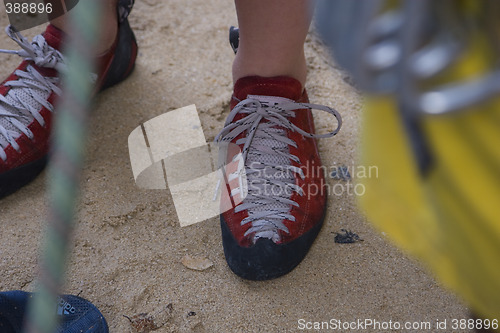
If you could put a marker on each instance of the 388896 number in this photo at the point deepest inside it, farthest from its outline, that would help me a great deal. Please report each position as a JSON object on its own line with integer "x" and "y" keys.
{"x": 28, "y": 8}
{"x": 472, "y": 324}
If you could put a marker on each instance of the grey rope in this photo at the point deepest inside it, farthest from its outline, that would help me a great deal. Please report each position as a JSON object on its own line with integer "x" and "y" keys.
{"x": 70, "y": 126}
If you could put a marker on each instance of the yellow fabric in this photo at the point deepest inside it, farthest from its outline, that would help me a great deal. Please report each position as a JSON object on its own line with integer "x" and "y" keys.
{"x": 451, "y": 217}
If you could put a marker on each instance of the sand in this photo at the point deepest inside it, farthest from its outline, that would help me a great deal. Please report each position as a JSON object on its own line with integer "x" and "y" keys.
{"x": 128, "y": 245}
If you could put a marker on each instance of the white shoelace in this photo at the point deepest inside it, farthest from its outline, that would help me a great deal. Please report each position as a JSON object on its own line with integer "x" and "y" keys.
{"x": 268, "y": 161}
{"x": 28, "y": 94}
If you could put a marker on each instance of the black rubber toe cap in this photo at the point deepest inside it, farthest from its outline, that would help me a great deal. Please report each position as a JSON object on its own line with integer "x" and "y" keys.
{"x": 14, "y": 179}
{"x": 265, "y": 260}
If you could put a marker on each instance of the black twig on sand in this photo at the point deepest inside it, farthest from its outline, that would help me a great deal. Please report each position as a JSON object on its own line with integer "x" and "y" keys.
{"x": 346, "y": 237}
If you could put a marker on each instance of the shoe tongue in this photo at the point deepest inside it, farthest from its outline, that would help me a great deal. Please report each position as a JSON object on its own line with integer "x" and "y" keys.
{"x": 54, "y": 36}
{"x": 269, "y": 90}
{"x": 281, "y": 86}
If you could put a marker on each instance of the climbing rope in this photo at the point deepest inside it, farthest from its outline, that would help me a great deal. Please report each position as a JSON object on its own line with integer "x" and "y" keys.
{"x": 69, "y": 133}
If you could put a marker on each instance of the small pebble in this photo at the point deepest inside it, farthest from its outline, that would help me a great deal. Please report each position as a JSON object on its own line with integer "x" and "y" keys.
{"x": 196, "y": 263}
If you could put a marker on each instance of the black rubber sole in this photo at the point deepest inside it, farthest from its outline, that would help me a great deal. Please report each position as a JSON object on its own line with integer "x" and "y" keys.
{"x": 75, "y": 314}
{"x": 14, "y": 179}
{"x": 266, "y": 260}
{"x": 120, "y": 68}
{"x": 122, "y": 65}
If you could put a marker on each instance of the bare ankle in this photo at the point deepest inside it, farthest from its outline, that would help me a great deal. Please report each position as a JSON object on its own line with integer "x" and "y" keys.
{"x": 269, "y": 67}
{"x": 109, "y": 28}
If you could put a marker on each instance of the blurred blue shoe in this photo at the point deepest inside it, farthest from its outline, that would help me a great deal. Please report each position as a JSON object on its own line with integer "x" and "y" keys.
{"x": 76, "y": 315}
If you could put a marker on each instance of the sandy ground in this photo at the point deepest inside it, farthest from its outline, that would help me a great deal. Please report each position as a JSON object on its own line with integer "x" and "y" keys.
{"x": 128, "y": 244}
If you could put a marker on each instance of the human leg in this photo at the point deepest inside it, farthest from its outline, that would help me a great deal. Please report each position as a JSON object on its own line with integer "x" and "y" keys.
{"x": 108, "y": 24}
{"x": 272, "y": 35}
